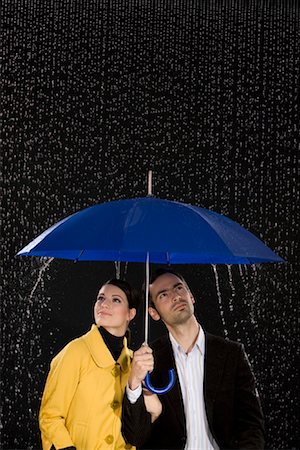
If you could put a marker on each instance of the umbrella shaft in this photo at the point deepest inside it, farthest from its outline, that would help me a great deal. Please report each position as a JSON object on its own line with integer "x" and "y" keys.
{"x": 147, "y": 301}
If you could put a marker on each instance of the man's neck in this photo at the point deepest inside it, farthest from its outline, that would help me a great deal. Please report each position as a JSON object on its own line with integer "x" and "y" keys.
{"x": 186, "y": 333}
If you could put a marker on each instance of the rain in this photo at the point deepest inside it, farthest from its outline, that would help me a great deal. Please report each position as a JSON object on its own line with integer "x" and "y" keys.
{"x": 95, "y": 94}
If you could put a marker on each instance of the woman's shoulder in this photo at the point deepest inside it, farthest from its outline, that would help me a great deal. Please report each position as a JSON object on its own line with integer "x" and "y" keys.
{"x": 74, "y": 348}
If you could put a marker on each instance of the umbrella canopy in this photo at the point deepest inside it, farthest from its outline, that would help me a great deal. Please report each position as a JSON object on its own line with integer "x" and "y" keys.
{"x": 150, "y": 230}
{"x": 169, "y": 232}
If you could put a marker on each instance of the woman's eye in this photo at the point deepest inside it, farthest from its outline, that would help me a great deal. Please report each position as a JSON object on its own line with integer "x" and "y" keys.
{"x": 117, "y": 300}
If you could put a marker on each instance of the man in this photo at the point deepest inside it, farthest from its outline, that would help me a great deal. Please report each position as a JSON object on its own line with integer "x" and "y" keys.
{"x": 214, "y": 403}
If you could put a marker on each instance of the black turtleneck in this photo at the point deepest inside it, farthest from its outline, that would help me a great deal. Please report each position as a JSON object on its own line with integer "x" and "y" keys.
{"x": 113, "y": 343}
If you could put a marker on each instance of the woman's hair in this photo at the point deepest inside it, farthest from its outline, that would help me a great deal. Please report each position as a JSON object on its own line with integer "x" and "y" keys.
{"x": 131, "y": 293}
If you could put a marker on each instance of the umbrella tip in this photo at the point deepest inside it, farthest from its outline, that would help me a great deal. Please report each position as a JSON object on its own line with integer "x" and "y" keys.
{"x": 150, "y": 194}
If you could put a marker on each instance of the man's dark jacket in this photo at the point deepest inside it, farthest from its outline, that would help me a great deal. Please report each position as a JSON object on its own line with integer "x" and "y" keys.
{"x": 232, "y": 405}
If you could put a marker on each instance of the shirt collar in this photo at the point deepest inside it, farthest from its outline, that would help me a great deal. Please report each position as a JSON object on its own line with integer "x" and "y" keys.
{"x": 199, "y": 344}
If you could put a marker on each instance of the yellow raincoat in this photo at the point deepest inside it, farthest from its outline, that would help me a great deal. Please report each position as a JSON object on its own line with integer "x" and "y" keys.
{"x": 82, "y": 400}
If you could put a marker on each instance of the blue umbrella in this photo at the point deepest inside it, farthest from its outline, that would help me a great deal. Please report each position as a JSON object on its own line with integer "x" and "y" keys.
{"x": 170, "y": 232}
{"x": 150, "y": 230}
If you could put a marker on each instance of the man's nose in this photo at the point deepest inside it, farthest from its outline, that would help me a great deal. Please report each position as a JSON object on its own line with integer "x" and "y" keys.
{"x": 175, "y": 295}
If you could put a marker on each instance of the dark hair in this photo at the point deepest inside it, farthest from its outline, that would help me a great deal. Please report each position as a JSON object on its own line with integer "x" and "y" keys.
{"x": 158, "y": 273}
{"x": 131, "y": 293}
{"x": 162, "y": 271}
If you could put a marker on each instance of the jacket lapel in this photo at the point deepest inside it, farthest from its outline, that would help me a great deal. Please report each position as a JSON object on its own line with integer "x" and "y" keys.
{"x": 164, "y": 362}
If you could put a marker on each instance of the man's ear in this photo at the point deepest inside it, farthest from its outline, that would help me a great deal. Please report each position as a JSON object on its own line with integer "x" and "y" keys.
{"x": 153, "y": 313}
{"x": 192, "y": 297}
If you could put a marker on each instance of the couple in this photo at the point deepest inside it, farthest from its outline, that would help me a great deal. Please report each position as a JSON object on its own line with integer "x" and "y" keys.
{"x": 213, "y": 405}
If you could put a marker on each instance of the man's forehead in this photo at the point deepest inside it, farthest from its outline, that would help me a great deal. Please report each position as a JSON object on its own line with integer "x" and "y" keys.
{"x": 166, "y": 281}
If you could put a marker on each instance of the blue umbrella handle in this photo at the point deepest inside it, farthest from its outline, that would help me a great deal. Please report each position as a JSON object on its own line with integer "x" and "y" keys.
{"x": 163, "y": 390}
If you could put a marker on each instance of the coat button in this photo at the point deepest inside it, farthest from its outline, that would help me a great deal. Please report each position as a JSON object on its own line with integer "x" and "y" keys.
{"x": 109, "y": 439}
{"x": 116, "y": 371}
{"x": 115, "y": 404}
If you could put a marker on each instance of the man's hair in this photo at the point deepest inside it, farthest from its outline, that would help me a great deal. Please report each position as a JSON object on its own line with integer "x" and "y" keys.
{"x": 159, "y": 272}
{"x": 133, "y": 296}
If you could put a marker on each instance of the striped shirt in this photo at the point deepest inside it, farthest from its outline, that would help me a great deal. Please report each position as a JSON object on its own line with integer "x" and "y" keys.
{"x": 190, "y": 368}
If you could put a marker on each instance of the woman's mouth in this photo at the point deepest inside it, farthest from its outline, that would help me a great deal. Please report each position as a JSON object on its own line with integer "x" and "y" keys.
{"x": 103, "y": 314}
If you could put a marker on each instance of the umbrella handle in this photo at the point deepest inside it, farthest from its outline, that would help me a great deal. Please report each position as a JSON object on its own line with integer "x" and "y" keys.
{"x": 163, "y": 390}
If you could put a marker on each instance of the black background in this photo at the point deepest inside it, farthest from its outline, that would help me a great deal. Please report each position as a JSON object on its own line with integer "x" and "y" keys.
{"x": 98, "y": 92}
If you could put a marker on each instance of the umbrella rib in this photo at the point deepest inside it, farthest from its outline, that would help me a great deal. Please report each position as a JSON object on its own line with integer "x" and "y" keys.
{"x": 213, "y": 229}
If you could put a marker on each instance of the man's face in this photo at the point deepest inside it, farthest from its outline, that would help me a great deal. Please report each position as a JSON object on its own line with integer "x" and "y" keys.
{"x": 172, "y": 298}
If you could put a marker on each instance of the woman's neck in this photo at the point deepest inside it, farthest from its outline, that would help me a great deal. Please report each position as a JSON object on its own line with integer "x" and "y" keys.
{"x": 112, "y": 342}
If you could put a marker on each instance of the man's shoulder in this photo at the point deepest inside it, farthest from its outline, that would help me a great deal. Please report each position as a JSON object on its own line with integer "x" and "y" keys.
{"x": 222, "y": 343}
{"x": 161, "y": 343}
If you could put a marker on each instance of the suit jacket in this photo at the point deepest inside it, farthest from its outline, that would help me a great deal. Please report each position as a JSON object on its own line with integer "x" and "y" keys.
{"x": 232, "y": 405}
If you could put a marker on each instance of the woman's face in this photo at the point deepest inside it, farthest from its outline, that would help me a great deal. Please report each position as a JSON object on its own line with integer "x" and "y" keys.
{"x": 111, "y": 310}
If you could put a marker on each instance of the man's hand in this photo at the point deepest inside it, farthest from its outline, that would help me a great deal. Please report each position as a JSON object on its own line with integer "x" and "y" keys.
{"x": 142, "y": 363}
{"x": 153, "y": 404}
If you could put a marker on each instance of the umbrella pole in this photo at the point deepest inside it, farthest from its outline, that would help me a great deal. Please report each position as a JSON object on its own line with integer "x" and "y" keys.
{"x": 147, "y": 381}
{"x": 147, "y": 301}
{"x": 172, "y": 377}
{"x": 147, "y": 273}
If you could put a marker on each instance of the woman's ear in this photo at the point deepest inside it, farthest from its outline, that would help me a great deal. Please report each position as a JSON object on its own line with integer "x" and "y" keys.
{"x": 153, "y": 313}
{"x": 132, "y": 313}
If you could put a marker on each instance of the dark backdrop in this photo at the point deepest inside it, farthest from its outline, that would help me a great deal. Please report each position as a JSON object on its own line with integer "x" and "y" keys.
{"x": 96, "y": 93}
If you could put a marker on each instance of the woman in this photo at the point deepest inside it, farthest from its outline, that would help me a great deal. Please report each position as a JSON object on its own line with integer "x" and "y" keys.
{"x": 81, "y": 405}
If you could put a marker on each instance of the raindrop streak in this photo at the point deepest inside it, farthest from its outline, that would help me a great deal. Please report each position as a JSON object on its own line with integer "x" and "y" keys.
{"x": 254, "y": 296}
{"x": 220, "y": 299}
{"x": 30, "y": 332}
{"x": 118, "y": 267}
{"x": 233, "y": 292}
{"x": 240, "y": 270}
{"x": 40, "y": 275}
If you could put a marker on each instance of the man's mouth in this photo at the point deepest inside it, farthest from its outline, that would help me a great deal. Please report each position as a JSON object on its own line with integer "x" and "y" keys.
{"x": 179, "y": 306}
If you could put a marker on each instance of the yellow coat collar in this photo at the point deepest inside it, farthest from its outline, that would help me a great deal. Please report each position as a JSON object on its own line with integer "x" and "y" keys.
{"x": 100, "y": 353}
